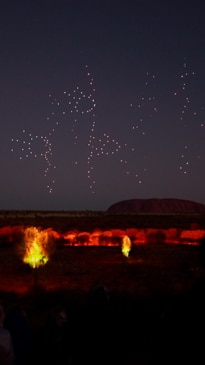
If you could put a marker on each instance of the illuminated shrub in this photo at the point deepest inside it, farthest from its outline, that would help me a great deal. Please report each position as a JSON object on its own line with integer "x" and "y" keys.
{"x": 155, "y": 237}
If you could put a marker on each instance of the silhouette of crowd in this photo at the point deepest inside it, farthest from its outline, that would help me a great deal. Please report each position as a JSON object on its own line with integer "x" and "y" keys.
{"x": 106, "y": 328}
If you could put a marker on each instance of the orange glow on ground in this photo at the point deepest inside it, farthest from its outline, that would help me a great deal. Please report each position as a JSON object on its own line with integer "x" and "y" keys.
{"x": 126, "y": 245}
{"x": 111, "y": 237}
{"x": 35, "y": 246}
{"x": 35, "y": 243}
{"x": 79, "y": 266}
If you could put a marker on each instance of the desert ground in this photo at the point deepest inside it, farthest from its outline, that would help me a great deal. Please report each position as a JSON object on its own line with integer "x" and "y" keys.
{"x": 155, "y": 295}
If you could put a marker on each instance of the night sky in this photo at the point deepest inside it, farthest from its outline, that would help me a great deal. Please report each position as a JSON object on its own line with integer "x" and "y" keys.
{"x": 101, "y": 101}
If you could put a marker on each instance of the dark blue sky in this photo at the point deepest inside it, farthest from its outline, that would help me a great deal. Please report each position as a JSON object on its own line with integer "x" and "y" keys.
{"x": 101, "y": 101}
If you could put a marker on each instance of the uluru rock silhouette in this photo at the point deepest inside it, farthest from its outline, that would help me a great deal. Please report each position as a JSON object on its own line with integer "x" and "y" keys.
{"x": 166, "y": 205}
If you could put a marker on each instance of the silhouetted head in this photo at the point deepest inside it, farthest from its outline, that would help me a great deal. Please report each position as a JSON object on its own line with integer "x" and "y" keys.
{"x": 98, "y": 295}
{"x": 59, "y": 315}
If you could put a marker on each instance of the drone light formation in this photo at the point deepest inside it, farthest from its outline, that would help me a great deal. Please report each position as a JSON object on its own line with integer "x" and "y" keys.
{"x": 75, "y": 111}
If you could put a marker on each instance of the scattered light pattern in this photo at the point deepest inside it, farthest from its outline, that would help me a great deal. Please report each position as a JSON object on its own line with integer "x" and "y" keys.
{"x": 190, "y": 117}
{"x": 74, "y": 109}
{"x": 75, "y": 113}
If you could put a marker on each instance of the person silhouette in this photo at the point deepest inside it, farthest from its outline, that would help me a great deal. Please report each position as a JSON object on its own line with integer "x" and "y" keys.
{"x": 6, "y": 344}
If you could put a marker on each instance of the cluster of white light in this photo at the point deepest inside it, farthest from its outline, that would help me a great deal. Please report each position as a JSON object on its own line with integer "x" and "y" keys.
{"x": 187, "y": 115}
{"x": 77, "y": 108}
{"x": 145, "y": 105}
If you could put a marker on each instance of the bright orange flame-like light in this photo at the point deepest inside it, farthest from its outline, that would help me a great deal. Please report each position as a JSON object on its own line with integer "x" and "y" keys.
{"x": 36, "y": 247}
{"x": 126, "y": 245}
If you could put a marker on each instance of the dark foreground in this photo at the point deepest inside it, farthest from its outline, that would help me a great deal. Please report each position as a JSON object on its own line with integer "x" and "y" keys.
{"x": 154, "y": 311}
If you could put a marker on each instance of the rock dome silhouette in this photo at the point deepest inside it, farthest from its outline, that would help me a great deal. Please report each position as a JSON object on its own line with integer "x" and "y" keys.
{"x": 166, "y": 205}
